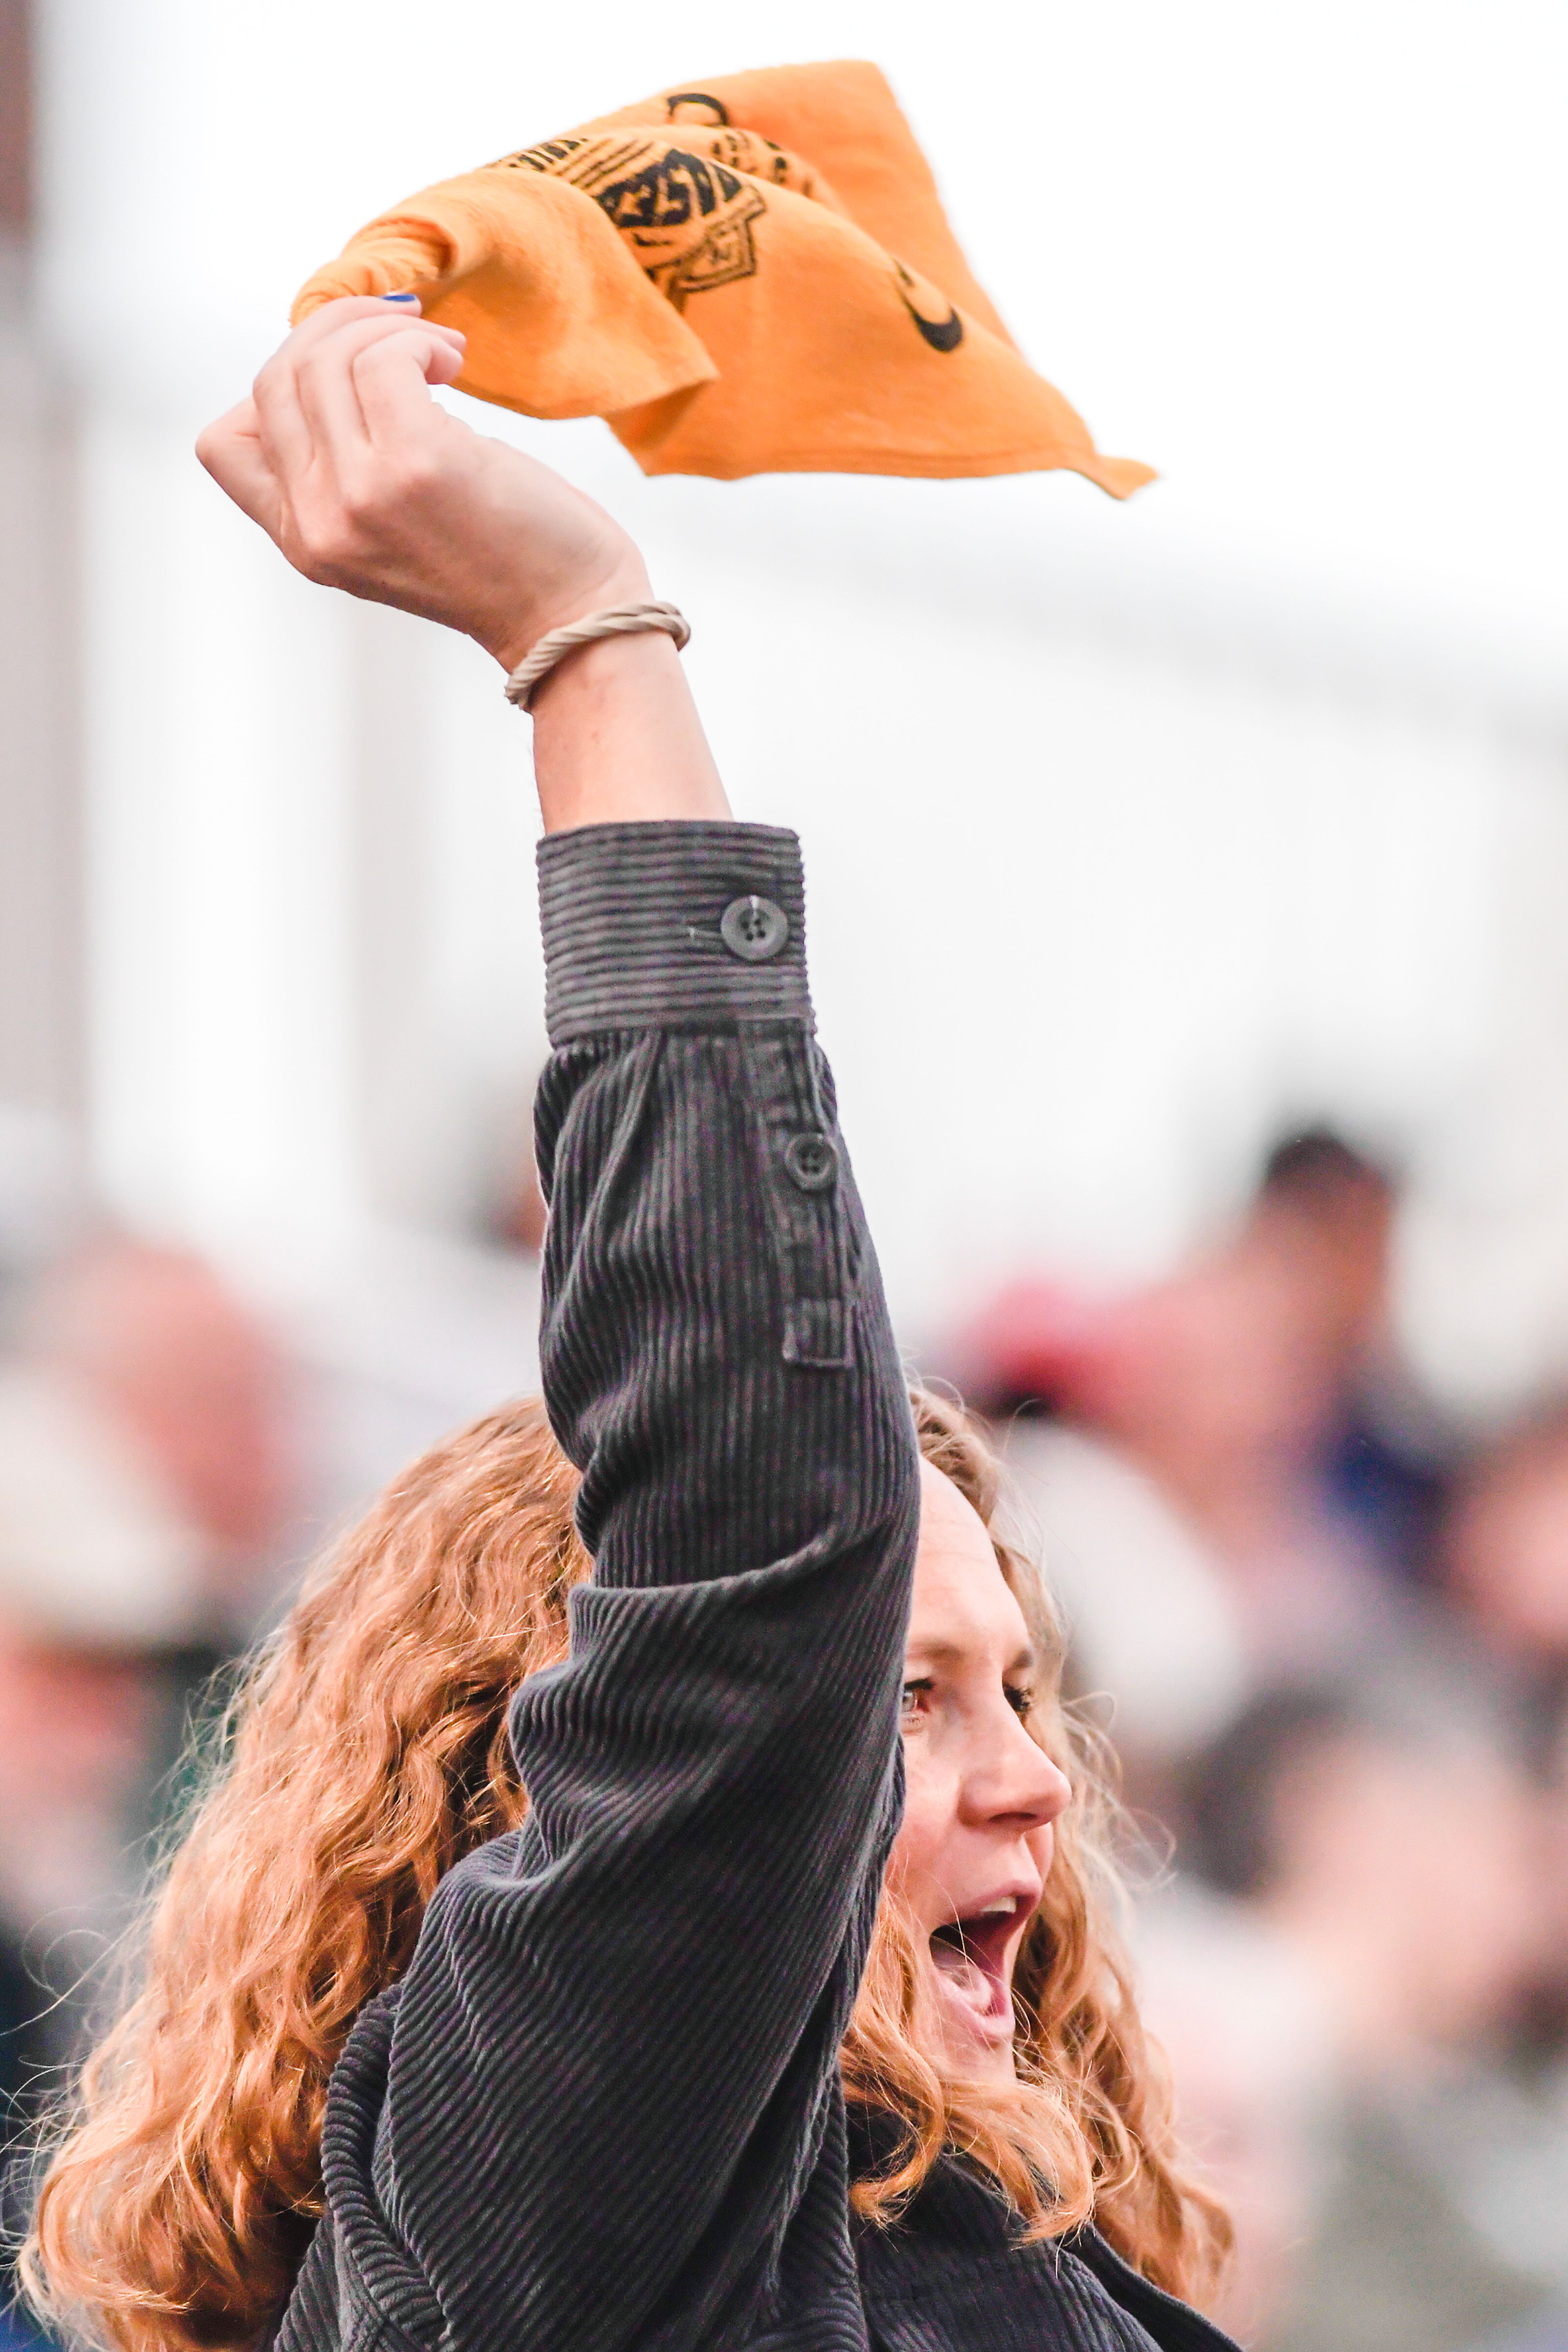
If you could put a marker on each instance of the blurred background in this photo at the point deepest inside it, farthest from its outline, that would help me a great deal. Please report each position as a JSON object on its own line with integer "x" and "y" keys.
{"x": 1206, "y": 1089}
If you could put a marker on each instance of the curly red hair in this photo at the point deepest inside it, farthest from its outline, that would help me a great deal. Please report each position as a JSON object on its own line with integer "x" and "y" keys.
{"x": 367, "y": 1751}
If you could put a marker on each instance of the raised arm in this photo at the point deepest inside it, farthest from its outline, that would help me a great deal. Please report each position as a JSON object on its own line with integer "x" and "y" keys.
{"x": 602, "y": 2110}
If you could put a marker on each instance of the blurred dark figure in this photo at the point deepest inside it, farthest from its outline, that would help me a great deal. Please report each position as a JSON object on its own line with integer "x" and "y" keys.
{"x": 1331, "y": 1209}
{"x": 1225, "y": 1461}
{"x": 1384, "y": 1837}
{"x": 1337, "y": 1205}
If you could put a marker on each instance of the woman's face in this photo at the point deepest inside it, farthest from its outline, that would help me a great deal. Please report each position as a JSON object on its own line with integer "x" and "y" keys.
{"x": 971, "y": 1856}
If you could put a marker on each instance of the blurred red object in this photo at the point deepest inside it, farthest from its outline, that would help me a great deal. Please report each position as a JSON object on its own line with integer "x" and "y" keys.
{"x": 1038, "y": 1341}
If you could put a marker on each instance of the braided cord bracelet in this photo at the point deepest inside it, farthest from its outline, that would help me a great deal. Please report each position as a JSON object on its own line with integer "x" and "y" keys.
{"x": 619, "y": 621}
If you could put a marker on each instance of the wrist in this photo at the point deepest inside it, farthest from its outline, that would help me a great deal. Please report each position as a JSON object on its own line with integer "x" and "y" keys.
{"x": 625, "y": 584}
{"x": 616, "y": 736}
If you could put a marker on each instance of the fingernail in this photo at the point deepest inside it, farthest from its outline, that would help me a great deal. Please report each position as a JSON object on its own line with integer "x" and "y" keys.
{"x": 400, "y": 298}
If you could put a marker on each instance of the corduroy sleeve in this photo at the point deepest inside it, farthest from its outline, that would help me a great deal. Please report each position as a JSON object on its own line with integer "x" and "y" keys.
{"x": 603, "y": 2109}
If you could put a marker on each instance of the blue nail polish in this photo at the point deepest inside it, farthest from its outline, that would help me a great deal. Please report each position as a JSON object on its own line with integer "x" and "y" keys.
{"x": 400, "y": 298}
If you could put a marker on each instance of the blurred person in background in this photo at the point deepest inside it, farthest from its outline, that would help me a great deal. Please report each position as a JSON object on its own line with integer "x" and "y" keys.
{"x": 154, "y": 1343}
{"x": 96, "y": 1585}
{"x": 1359, "y": 1971}
{"x": 1503, "y": 1549}
{"x": 144, "y": 1359}
{"x": 1230, "y": 1483}
{"x": 1329, "y": 1210}
{"x": 145, "y": 1479}
{"x": 1248, "y": 2036}
{"x": 1382, "y": 1837}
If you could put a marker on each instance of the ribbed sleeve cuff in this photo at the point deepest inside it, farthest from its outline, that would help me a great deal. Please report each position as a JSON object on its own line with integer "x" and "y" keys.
{"x": 671, "y": 924}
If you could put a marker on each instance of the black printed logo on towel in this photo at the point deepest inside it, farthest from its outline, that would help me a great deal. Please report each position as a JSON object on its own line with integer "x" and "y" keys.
{"x": 933, "y": 313}
{"x": 677, "y": 101}
{"x": 688, "y": 218}
{"x": 748, "y": 151}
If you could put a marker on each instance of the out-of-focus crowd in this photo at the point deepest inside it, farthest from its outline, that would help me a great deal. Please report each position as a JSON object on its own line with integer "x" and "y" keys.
{"x": 1331, "y": 1634}
{"x": 169, "y": 1457}
{"x": 1328, "y": 1633}
{"x": 145, "y": 1486}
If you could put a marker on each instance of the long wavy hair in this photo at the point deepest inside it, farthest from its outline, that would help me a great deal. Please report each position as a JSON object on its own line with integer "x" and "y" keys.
{"x": 364, "y": 1753}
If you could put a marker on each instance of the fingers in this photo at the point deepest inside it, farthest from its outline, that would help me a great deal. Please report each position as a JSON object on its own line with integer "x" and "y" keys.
{"x": 392, "y": 379}
{"x": 306, "y": 407}
{"x": 230, "y": 448}
{"x": 279, "y": 419}
{"x": 284, "y": 424}
{"x": 333, "y": 316}
{"x": 284, "y": 432}
{"x": 333, "y": 320}
{"x": 331, "y": 379}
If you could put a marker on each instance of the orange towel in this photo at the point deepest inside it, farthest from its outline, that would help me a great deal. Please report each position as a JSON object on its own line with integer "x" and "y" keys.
{"x": 754, "y": 277}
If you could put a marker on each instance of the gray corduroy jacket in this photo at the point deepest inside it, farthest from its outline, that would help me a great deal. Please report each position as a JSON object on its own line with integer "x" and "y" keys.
{"x": 601, "y": 2109}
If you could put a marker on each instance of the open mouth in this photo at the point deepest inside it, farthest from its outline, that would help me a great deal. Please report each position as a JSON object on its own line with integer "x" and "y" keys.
{"x": 970, "y": 1958}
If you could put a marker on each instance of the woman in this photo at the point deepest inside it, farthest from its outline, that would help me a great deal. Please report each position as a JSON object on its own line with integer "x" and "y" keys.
{"x": 779, "y": 2009}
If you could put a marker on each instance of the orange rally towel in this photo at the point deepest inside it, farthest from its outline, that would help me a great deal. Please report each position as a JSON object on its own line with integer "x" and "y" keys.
{"x": 754, "y": 277}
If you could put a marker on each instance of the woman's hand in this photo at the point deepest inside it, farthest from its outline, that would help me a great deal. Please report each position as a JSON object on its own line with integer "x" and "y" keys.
{"x": 366, "y": 483}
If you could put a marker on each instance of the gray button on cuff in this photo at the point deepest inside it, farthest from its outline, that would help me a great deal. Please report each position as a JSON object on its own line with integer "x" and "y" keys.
{"x": 753, "y": 928}
{"x": 812, "y": 1161}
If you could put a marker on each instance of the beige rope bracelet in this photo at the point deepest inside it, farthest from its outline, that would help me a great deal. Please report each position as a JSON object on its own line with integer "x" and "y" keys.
{"x": 619, "y": 621}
